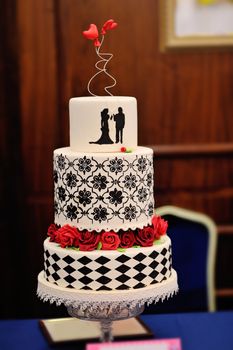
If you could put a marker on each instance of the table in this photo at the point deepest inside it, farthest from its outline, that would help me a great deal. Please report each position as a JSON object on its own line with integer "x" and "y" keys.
{"x": 198, "y": 331}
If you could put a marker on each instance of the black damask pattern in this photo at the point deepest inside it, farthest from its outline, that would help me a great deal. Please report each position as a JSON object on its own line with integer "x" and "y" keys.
{"x": 99, "y": 182}
{"x": 71, "y": 211}
{"x": 115, "y": 197}
{"x": 149, "y": 179}
{"x": 142, "y": 194}
{"x": 100, "y": 214}
{"x": 84, "y": 197}
{"x": 61, "y": 162}
{"x": 130, "y": 181}
{"x": 55, "y": 176}
{"x": 71, "y": 179}
{"x": 111, "y": 189}
{"x": 116, "y": 165}
{"x": 130, "y": 212}
{"x": 150, "y": 209}
{"x": 141, "y": 164}
{"x": 61, "y": 194}
{"x": 84, "y": 164}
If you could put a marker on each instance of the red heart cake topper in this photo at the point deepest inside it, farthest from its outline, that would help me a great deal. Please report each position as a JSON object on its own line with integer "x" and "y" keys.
{"x": 108, "y": 25}
{"x": 92, "y": 33}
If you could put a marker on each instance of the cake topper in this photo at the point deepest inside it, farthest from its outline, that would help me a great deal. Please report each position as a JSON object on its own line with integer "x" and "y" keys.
{"x": 93, "y": 34}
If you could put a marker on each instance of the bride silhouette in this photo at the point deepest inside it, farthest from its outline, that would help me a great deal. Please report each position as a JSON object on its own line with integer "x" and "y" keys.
{"x": 104, "y": 138}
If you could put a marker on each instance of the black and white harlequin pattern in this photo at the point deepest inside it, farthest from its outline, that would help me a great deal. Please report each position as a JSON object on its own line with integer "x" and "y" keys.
{"x": 109, "y": 191}
{"x": 105, "y": 273}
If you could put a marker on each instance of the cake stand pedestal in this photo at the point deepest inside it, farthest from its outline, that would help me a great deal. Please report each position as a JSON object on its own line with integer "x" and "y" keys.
{"x": 106, "y": 306}
{"x": 106, "y": 315}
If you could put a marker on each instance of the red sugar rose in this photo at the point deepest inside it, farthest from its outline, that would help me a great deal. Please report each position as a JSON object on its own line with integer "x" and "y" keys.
{"x": 145, "y": 237}
{"x": 67, "y": 236}
{"x": 88, "y": 240}
{"x": 110, "y": 240}
{"x": 127, "y": 239}
{"x": 52, "y": 232}
{"x": 160, "y": 226}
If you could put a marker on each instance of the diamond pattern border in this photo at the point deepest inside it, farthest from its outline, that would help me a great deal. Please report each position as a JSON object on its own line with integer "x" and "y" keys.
{"x": 108, "y": 272}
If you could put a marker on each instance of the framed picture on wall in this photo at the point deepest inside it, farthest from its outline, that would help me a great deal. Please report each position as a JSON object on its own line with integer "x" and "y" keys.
{"x": 196, "y": 23}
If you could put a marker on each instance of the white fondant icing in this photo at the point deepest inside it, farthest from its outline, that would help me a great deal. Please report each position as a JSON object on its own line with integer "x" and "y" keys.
{"x": 88, "y": 125}
{"x": 103, "y": 191}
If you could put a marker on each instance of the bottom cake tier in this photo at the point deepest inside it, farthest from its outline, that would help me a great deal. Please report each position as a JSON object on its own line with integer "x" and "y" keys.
{"x": 94, "y": 301}
{"x": 111, "y": 270}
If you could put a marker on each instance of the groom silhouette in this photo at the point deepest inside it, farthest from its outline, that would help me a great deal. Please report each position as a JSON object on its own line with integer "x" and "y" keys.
{"x": 119, "y": 119}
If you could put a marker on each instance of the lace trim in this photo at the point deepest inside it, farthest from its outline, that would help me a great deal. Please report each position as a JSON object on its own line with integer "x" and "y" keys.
{"x": 101, "y": 300}
{"x": 116, "y": 228}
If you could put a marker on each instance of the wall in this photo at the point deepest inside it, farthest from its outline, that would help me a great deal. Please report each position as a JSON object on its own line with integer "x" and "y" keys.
{"x": 185, "y": 112}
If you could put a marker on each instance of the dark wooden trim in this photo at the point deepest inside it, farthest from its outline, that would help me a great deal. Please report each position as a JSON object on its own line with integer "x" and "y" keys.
{"x": 193, "y": 150}
{"x": 224, "y": 292}
{"x": 225, "y": 229}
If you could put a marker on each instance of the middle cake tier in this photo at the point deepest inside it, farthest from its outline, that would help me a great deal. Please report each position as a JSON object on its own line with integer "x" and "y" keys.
{"x": 103, "y": 191}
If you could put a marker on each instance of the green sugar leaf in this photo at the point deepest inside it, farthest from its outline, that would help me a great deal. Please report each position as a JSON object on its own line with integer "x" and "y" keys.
{"x": 136, "y": 246}
{"x": 99, "y": 246}
{"x": 158, "y": 241}
{"x": 121, "y": 250}
{"x": 75, "y": 248}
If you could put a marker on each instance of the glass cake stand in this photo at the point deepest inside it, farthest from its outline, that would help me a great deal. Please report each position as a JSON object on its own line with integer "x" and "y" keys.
{"x": 106, "y": 307}
{"x": 106, "y": 316}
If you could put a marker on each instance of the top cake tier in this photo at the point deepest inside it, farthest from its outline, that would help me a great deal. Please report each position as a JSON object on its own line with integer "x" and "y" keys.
{"x": 103, "y": 123}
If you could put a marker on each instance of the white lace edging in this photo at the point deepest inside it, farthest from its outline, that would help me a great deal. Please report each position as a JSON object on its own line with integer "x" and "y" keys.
{"x": 113, "y": 227}
{"x": 92, "y": 299}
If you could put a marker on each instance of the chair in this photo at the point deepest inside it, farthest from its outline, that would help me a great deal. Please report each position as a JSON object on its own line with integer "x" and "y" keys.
{"x": 194, "y": 237}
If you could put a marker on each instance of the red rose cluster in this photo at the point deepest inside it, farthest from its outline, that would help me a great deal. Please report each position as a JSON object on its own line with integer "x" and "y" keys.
{"x": 68, "y": 236}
